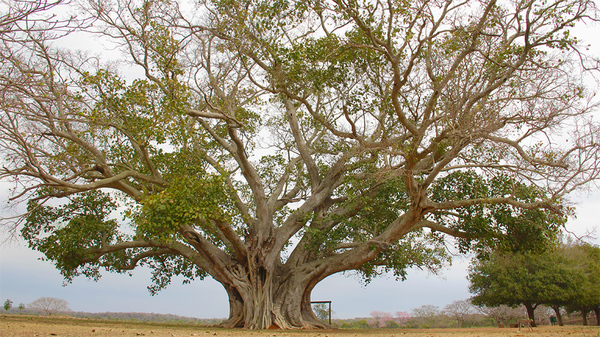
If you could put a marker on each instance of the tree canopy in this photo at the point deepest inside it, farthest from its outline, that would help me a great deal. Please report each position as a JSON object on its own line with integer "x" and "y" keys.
{"x": 271, "y": 144}
{"x": 586, "y": 257}
{"x": 559, "y": 277}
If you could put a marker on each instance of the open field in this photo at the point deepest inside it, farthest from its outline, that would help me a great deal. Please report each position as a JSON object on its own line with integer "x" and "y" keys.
{"x": 32, "y": 326}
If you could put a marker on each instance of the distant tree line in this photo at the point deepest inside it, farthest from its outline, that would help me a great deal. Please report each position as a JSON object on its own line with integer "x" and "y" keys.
{"x": 52, "y": 305}
{"x": 458, "y": 314}
{"x": 46, "y": 305}
{"x": 145, "y": 317}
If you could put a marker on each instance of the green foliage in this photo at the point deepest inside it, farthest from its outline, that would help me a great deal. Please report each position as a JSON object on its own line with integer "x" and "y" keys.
{"x": 73, "y": 234}
{"x": 518, "y": 278}
{"x": 416, "y": 250}
{"x": 375, "y": 209}
{"x": 188, "y": 200}
{"x": 140, "y": 111}
{"x": 66, "y": 233}
{"x": 496, "y": 225}
{"x": 360, "y": 324}
{"x": 165, "y": 267}
{"x": 486, "y": 225}
{"x": 7, "y": 305}
{"x": 585, "y": 257}
{"x": 321, "y": 310}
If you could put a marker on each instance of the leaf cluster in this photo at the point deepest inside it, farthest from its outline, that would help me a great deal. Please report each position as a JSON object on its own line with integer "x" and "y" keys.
{"x": 561, "y": 276}
{"x": 68, "y": 234}
{"x": 496, "y": 225}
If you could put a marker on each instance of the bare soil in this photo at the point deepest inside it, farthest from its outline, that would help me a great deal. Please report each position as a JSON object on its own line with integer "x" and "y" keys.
{"x": 34, "y": 326}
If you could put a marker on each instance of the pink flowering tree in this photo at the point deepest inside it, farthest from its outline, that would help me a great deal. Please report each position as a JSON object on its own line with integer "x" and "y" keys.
{"x": 380, "y": 319}
{"x": 402, "y": 317}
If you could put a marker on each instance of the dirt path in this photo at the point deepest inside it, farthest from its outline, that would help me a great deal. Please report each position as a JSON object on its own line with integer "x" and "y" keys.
{"x": 37, "y": 326}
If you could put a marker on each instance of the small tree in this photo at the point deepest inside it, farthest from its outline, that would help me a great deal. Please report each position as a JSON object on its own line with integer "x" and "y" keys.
{"x": 21, "y": 306}
{"x": 50, "y": 305}
{"x": 7, "y": 305}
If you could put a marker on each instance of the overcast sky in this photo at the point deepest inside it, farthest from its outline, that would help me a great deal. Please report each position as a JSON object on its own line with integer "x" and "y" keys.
{"x": 24, "y": 278}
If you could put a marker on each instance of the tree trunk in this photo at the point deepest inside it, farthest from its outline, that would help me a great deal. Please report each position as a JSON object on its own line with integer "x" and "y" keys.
{"x": 558, "y": 314}
{"x": 584, "y": 315}
{"x": 265, "y": 299}
{"x": 531, "y": 313}
{"x": 597, "y": 311}
{"x": 236, "y": 309}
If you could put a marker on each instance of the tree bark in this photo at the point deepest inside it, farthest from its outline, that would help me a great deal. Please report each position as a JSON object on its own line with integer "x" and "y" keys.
{"x": 584, "y": 311}
{"x": 236, "y": 309}
{"x": 597, "y": 311}
{"x": 265, "y": 298}
{"x": 531, "y": 313}
{"x": 558, "y": 315}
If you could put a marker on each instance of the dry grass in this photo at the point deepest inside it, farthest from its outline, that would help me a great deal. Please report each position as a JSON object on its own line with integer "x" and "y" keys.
{"x": 33, "y": 326}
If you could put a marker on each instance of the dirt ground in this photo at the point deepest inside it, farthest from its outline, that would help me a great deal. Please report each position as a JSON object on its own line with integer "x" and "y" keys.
{"x": 34, "y": 326}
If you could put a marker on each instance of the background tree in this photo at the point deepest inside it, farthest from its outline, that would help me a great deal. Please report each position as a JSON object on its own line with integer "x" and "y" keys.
{"x": 592, "y": 271}
{"x": 21, "y": 306}
{"x": 7, "y": 305}
{"x": 24, "y": 19}
{"x": 322, "y": 311}
{"x": 425, "y": 315}
{"x": 503, "y": 314}
{"x": 381, "y": 319}
{"x": 585, "y": 256}
{"x": 459, "y": 310}
{"x": 271, "y": 144}
{"x": 401, "y": 317}
{"x": 50, "y": 305}
{"x": 17, "y": 12}
{"x": 526, "y": 278}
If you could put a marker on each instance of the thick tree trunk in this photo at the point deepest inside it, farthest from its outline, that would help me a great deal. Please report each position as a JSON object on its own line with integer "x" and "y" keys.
{"x": 558, "y": 315}
{"x": 264, "y": 299}
{"x": 531, "y": 313}
{"x": 236, "y": 309}
{"x": 280, "y": 311}
{"x": 597, "y": 311}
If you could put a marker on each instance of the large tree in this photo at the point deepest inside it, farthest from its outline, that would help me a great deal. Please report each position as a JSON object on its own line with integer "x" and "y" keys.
{"x": 271, "y": 144}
